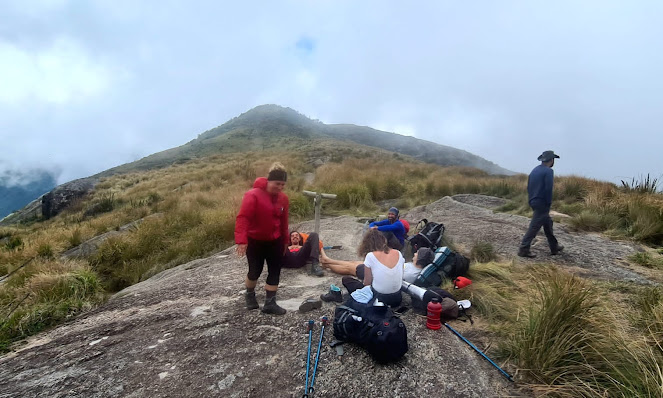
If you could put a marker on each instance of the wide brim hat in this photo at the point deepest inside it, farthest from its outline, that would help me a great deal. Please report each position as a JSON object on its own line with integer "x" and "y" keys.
{"x": 547, "y": 156}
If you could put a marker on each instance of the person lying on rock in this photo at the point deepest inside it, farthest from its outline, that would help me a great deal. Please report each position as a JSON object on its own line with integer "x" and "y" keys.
{"x": 382, "y": 269}
{"x": 411, "y": 271}
{"x": 302, "y": 249}
{"x": 392, "y": 228}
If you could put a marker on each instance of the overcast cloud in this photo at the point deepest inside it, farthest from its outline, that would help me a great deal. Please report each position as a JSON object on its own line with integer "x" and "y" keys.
{"x": 88, "y": 85}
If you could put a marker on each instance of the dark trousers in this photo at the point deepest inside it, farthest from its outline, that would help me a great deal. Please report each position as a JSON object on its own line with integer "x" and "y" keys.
{"x": 258, "y": 252}
{"x": 352, "y": 284}
{"x": 540, "y": 218}
{"x": 392, "y": 240}
{"x": 310, "y": 251}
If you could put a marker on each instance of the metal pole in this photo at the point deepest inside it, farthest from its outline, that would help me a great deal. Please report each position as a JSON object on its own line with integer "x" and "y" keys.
{"x": 317, "y": 203}
{"x": 508, "y": 376}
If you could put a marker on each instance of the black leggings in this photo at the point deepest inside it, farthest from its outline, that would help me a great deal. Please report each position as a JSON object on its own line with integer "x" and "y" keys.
{"x": 259, "y": 251}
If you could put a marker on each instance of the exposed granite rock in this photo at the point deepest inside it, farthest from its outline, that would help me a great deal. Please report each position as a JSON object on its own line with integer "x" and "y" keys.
{"x": 63, "y": 195}
{"x": 90, "y": 246}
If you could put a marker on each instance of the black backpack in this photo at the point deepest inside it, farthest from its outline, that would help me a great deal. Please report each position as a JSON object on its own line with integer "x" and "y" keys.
{"x": 455, "y": 265}
{"x": 376, "y": 329}
{"x": 430, "y": 236}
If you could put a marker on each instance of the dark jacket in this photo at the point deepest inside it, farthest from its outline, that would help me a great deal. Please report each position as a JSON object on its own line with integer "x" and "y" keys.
{"x": 262, "y": 216}
{"x": 540, "y": 186}
{"x": 397, "y": 228}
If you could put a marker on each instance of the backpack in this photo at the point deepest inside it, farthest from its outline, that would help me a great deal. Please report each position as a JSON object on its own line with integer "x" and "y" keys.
{"x": 429, "y": 276}
{"x": 406, "y": 225}
{"x": 431, "y": 292}
{"x": 429, "y": 236}
{"x": 375, "y": 328}
{"x": 455, "y": 265}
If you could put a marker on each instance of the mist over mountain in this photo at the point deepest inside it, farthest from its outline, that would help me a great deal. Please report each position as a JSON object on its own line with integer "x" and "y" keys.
{"x": 273, "y": 126}
{"x": 18, "y": 188}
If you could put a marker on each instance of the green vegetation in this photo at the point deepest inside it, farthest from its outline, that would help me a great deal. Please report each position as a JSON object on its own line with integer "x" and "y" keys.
{"x": 546, "y": 319}
{"x": 647, "y": 259}
{"x": 570, "y": 337}
{"x": 482, "y": 252}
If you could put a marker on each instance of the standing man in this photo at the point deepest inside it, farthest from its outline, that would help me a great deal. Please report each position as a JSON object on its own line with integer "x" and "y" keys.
{"x": 261, "y": 233}
{"x": 540, "y": 191}
{"x": 392, "y": 228}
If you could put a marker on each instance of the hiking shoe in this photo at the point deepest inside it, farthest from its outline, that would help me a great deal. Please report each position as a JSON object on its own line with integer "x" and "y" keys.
{"x": 334, "y": 295}
{"x": 316, "y": 270}
{"x": 271, "y": 307}
{"x": 251, "y": 302}
{"x": 557, "y": 250}
{"x": 526, "y": 253}
{"x": 310, "y": 304}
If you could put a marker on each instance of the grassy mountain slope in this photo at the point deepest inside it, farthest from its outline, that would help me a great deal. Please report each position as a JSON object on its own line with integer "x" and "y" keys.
{"x": 273, "y": 126}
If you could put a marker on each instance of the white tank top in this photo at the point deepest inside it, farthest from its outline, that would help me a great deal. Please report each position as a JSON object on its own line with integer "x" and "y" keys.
{"x": 385, "y": 280}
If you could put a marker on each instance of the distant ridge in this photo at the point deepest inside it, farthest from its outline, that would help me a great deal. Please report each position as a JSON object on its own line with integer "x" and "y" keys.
{"x": 275, "y": 126}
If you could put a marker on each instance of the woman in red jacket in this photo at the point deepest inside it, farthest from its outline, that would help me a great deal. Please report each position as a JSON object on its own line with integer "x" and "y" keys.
{"x": 261, "y": 232}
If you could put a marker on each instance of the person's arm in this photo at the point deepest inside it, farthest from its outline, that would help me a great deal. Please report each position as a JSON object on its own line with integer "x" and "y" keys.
{"x": 285, "y": 235}
{"x": 243, "y": 221}
{"x": 368, "y": 276}
{"x": 548, "y": 186}
{"x": 378, "y": 223}
{"x": 397, "y": 226}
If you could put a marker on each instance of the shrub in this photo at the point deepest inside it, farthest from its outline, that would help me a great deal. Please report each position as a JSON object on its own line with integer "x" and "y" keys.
{"x": 646, "y": 260}
{"x": 644, "y": 184}
{"x": 589, "y": 220}
{"x": 45, "y": 251}
{"x": 301, "y": 206}
{"x": 482, "y": 252}
{"x": 76, "y": 238}
{"x": 555, "y": 340}
{"x": 14, "y": 243}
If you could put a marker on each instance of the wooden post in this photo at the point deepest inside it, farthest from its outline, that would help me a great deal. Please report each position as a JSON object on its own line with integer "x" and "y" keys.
{"x": 317, "y": 203}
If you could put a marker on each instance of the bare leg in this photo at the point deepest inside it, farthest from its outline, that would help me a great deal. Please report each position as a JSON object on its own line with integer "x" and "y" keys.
{"x": 343, "y": 267}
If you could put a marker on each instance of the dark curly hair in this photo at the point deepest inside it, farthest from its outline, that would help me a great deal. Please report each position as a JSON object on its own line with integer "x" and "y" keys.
{"x": 373, "y": 241}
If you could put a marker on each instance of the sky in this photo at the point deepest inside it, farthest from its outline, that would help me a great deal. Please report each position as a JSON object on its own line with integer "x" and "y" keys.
{"x": 88, "y": 85}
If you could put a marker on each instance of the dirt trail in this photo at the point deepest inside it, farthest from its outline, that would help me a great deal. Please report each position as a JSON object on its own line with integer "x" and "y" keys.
{"x": 185, "y": 332}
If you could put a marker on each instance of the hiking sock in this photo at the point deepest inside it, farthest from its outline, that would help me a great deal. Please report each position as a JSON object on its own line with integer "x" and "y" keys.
{"x": 250, "y": 289}
{"x": 269, "y": 294}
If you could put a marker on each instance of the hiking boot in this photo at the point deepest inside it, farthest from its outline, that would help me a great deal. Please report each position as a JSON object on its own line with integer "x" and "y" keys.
{"x": 334, "y": 295}
{"x": 526, "y": 253}
{"x": 251, "y": 302}
{"x": 271, "y": 307}
{"x": 316, "y": 270}
{"x": 310, "y": 304}
{"x": 557, "y": 250}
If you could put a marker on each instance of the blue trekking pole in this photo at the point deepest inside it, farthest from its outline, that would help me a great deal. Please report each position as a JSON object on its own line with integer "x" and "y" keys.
{"x": 308, "y": 355}
{"x": 479, "y": 351}
{"x": 324, "y": 323}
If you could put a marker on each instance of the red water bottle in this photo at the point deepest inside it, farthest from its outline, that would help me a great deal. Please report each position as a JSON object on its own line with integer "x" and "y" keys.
{"x": 434, "y": 311}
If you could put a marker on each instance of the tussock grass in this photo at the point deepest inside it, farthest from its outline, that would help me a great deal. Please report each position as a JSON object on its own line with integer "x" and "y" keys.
{"x": 568, "y": 337}
{"x": 482, "y": 252}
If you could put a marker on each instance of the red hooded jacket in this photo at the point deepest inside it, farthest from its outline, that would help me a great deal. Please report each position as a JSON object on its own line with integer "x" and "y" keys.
{"x": 263, "y": 216}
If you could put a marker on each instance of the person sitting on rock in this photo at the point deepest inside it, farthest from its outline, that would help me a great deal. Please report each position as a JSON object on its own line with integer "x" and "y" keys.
{"x": 392, "y": 228}
{"x": 411, "y": 270}
{"x": 303, "y": 249}
{"x": 382, "y": 270}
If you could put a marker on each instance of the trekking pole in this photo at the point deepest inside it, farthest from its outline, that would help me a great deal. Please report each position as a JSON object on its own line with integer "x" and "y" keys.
{"x": 479, "y": 351}
{"x": 309, "y": 327}
{"x": 324, "y": 323}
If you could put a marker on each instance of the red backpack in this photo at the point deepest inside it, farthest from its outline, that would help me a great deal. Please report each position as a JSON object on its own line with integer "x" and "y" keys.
{"x": 406, "y": 224}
